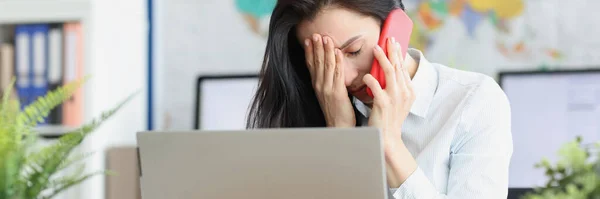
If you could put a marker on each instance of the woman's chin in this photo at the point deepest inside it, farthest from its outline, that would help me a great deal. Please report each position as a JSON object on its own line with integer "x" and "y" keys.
{"x": 363, "y": 97}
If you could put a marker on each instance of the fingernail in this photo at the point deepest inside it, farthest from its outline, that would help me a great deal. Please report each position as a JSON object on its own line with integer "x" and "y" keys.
{"x": 325, "y": 40}
{"x": 378, "y": 48}
{"x": 316, "y": 38}
{"x": 307, "y": 42}
{"x": 398, "y": 46}
{"x": 393, "y": 40}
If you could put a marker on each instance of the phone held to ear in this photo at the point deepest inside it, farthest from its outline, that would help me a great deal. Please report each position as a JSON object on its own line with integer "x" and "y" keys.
{"x": 399, "y": 26}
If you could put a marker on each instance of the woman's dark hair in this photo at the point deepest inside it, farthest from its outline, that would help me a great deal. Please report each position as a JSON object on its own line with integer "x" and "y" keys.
{"x": 285, "y": 96}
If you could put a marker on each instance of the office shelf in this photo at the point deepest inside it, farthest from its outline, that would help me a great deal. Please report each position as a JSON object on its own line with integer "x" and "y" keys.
{"x": 53, "y": 131}
{"x": 114, "y": 35}
{"x": 38, "y": 11}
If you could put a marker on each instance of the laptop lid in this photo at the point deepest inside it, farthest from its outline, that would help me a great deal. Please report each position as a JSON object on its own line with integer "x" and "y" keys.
{"x": 315, "y": 163}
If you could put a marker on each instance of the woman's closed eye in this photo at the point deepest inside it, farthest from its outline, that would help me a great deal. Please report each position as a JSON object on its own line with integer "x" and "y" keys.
{"x": 355, "y": 53}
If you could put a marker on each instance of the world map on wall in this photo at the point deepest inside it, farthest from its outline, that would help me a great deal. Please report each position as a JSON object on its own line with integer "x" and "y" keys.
{"x": 256, "y": 14}
{"x": 430, "y": 15}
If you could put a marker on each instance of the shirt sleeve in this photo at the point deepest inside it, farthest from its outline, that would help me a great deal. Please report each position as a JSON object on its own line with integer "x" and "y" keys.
{"x": 480, "y": 155}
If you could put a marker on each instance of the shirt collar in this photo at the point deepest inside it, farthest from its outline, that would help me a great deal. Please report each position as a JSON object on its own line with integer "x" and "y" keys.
{"x": 424, "y": 84}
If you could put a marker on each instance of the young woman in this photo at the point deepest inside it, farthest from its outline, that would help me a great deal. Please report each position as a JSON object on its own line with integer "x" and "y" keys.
{"x": 446, "y": 132}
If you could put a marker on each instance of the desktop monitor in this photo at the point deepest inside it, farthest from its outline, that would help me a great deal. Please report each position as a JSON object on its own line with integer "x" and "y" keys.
{"x": 548, "y": 110}
{"x": 222, "y": 101}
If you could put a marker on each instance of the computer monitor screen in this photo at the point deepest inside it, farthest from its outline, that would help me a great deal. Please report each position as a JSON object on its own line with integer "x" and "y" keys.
{"x": 548, "y": 110}
{"x": 223, "y": 101}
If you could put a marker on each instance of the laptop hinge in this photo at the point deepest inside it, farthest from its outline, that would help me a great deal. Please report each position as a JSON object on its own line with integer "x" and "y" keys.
{"x": 139, "y": 161}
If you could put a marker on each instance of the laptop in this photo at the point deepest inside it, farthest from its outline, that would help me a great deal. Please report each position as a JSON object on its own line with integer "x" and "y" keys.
{"x": 292, "y": 163}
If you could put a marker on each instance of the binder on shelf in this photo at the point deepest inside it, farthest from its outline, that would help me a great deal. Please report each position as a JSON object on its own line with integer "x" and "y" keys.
{"x": 39, "y": 38}
{"x": 6, "y": 58}
{"x": 23, "y": 71}
{"x": 55, "y": 68}
{"x": 6, "y": 65}
{"x": 3, "y": 36}
{"x": 9, "y": 33}
{"x": 6, "y": 33}
{"x": 73, "y": 45}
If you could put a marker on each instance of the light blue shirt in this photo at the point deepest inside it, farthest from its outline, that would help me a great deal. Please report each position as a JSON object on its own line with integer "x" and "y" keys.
{"x": 458, "y": 131}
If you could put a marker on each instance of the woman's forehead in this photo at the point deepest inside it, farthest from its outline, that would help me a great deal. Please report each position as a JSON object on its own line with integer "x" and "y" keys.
{"x": 338, "y": 23}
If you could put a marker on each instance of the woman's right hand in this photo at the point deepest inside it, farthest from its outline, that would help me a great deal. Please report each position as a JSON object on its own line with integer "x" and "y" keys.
{"x": 325, "y": 64}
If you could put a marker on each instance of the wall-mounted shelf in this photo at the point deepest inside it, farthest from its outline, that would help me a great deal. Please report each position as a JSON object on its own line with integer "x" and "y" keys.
{"x": 53, "y": 131}
{"x": 33, "y": 11}
{"x": 115, "y": 38}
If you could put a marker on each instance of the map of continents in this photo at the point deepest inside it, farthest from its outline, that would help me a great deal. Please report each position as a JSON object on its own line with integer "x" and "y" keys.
{"x": 429, "y": 16}
{"x": 256, "y": 13}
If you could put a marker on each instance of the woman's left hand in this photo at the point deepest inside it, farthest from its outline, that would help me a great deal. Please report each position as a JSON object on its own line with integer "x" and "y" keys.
{"x": 390, "y": 108}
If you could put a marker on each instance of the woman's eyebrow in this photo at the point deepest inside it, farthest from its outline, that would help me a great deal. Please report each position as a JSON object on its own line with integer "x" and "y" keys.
{"x": 349, "y": 41}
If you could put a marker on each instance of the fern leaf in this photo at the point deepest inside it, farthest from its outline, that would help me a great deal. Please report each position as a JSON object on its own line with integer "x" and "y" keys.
{"x": 11, "y": 173}
{"x": 56, "y": 182}
{"x": 13, "y": 163}
{"x": 11, "y": 153}
{"x": 41, "y": 107}
{"x": 45, "y": 163}
{"x": 9, "y": 108}
{"x": 72, "y": 160}
{"x": 34, "y": 161}
{"x": 6, "y": 96}
{"x": 68, "y": 183}
{"x": 50, "y": 158}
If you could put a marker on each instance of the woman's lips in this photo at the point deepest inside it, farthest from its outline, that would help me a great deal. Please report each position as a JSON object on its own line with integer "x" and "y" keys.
{"x": 358, "y": 89}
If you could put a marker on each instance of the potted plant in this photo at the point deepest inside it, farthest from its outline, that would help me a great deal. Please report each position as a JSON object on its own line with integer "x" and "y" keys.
{"x": 28, "y": 173}
{"x": 574, "y": 176}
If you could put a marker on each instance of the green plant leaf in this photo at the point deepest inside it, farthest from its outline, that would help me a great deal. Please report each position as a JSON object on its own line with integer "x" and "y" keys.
{"x": 26, "y": 172}
{"x": 11, "y": 152}
{"x": 575, "y": 174}
{"x": 48, "y": 160}
{"x": 66, "y": 183}
{"x": 573, "y": 156}
{"x": 6, "y": 96}
{"x": 41, "y": 107}
{"x": 72, "y": 160}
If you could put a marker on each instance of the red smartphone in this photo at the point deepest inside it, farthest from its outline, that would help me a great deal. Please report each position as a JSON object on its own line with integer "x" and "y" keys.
{"x": 399, "y": 26}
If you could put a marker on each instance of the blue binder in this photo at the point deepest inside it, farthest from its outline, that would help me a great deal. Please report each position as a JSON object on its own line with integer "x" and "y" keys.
{"x": 22, "y": 64}
{"x": 31, "y": 63}
{"x": 39, "y": 63}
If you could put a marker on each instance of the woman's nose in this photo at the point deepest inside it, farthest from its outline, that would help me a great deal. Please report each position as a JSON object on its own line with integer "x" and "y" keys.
{"x": 350, "y": 73}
